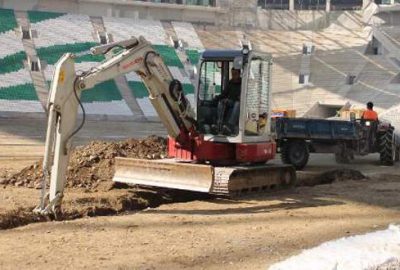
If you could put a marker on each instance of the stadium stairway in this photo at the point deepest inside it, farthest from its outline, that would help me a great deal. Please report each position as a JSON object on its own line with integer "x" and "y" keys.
{"x": 17, "y": 93}
{"x": 373, "y": 84}
{"x": 121, "y": 82}
{"x": 389, "y": 37}
{"x": 193, "y": 46}
{"x": 38, "y": 79}
{"x": 172, "y": 36}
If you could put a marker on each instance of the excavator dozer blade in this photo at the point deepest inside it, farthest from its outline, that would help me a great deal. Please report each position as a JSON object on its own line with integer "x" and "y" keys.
{"x": 229, "y": 181}
{"x": 165, "y": 173}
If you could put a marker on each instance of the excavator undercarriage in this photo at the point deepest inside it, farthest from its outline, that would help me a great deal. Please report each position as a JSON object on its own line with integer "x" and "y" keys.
{"x": 219, "y": 180}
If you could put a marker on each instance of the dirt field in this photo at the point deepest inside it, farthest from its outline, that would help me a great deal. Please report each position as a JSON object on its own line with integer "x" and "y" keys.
{"x": 199, "y": 232}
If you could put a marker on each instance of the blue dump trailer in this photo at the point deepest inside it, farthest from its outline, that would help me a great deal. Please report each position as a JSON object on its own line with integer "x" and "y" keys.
{"x": 298, "y": 137}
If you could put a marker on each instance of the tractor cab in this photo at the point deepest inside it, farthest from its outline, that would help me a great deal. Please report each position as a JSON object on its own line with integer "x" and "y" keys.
{"x": 233, "y": 95}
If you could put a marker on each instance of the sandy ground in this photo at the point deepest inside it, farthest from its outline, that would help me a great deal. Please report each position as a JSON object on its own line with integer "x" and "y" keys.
{"x": 250, "y": 233}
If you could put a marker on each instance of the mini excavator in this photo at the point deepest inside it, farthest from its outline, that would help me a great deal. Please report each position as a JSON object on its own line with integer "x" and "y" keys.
{"x": 202, "y": 156}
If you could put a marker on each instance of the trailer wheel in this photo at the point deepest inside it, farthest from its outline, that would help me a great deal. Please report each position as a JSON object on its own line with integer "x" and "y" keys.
{"x": 295, "y": 153}
{"x": 387, "y": 148}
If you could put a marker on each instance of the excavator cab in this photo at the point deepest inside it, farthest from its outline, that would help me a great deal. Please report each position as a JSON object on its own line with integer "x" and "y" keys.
{"x": 221, "y": 117}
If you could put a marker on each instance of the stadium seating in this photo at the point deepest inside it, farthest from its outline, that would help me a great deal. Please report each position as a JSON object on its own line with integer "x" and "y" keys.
{"x": 105, "y": 98}
{"x": 13, "y": 62}
{"x": 389, "y": 36}
{"x": 187, "y": 33}
{"x": 9, "y": 79}
{"x": 61, "y": 33}
{"x": 153, "y": 31}
{"x": 11, "y": 49}
{"x": 124, "y": 28}
{"x": 169, "y": 55}
{"x": 7, "y": 20}
{"x": 38, "y": 16}
{"x": 17, "y": 93}
{"x": 374, "y": 83}
{"x": 141, "y": 93}
{"x": 193, "y": 56}
{"x": 338, "y": 53}
{"x": 53, "y": 53}
{"x": 63, "y": 30}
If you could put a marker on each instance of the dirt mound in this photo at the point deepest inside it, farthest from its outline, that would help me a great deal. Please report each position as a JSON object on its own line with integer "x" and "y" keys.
{"x": 92, "y": 165}
{"x": 331, "y": 176}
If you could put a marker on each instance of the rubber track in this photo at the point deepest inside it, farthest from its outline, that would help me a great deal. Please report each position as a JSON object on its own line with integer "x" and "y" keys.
{"x": 234, "y": 181}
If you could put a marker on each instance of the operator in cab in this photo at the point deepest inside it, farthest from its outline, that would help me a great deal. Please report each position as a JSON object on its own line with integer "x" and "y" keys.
{"x": 370, "y": 114}
{"x": 229, "y": 103}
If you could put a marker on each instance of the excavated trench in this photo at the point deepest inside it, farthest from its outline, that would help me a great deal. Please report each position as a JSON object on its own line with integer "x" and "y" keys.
{"x": 91, "y": 192}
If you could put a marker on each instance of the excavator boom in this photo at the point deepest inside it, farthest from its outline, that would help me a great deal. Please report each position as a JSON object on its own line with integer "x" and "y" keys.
{"x": 138, "y": 56}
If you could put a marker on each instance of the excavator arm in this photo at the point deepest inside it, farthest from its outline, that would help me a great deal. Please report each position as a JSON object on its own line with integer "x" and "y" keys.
{"x": 137, "y": 55}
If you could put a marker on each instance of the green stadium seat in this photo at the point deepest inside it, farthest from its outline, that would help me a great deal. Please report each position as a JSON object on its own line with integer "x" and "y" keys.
{"x": 138, "y": 89}
{"x": 12, "y": 62}
{"x": 188, "y": 88}
{"x": 53, "y": 53}
{"x": 19, "y": 92}
{"x": 103, "y": 92}
{"x": 38, "y": 16}
{"x": 193, "y": 56}
{"x": 7, "y": 20}
{"x": 169, "y": 55}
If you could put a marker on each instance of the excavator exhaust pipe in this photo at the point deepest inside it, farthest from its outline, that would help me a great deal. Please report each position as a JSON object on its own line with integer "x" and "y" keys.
{"x": 228, "y": 181}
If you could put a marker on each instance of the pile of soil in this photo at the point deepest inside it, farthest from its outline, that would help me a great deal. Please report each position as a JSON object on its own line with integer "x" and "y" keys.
{"x": 92, "y": 165}
{"x": 340, "y": 175}
{"x": 331, "y": 176}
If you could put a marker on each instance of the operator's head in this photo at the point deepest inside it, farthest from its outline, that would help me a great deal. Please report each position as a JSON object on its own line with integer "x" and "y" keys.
{"x": 235, "y": 74}
{"x": 370, "y": 105}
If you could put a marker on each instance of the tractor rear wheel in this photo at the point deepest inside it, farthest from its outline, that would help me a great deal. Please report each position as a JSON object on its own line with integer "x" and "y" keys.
{"x": 387, "y": 147}
{"x": 295, "y": 153}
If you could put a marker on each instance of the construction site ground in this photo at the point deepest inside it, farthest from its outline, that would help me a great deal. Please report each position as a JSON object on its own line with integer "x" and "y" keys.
{"x": 122, "y": 228}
